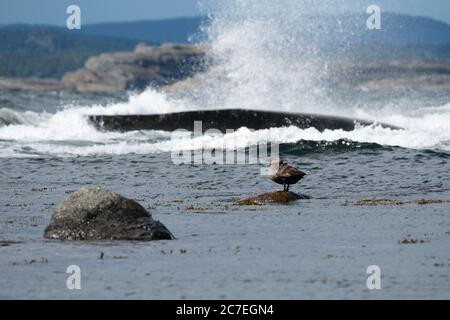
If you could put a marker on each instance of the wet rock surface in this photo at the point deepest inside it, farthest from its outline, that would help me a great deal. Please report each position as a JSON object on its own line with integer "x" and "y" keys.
{"x": 281, "y": 197}
{"x": 99, "y": 214}
{"x": 224, "y": 120}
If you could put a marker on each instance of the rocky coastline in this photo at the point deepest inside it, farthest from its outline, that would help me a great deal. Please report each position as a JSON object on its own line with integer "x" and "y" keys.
{"x": 178, "y": 67}
{"x": 146, "y": 66}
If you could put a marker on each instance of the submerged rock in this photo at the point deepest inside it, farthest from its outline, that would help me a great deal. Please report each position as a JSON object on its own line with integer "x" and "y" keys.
{"x": 99, "y": 214}
{"x": 282, "y": 197}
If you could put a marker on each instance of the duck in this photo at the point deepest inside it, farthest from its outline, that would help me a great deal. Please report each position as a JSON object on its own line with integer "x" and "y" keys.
{"x": 282, "y": 173}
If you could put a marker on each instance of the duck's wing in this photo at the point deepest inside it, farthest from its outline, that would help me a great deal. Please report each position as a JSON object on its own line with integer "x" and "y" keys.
{"x": 289, "y": 171}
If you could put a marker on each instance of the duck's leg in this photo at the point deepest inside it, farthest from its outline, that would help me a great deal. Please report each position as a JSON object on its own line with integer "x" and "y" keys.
{"x": 284, "y": 187}
{"x": 287, "y": 189}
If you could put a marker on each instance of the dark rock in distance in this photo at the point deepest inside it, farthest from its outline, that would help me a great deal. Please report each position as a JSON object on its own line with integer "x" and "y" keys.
{"x": 281, "y": 197}
{"x": 99, "y": 214}
{"x": 226, "y": 119}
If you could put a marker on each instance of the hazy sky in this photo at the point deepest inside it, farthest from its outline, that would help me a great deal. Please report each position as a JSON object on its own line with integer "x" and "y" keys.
{"x": 54, "y": 11}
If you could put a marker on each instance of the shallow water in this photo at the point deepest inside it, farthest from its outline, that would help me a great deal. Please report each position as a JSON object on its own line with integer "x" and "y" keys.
{"x": 318, "y": 248}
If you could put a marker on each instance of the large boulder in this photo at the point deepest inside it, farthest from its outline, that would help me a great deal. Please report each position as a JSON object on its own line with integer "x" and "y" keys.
{"x": 98, "y": 214}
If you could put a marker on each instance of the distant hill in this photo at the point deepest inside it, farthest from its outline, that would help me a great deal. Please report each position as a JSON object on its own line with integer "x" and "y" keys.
{"x": 411, "y": 31}
{"x": 49, "y": 52}
{"x": 176, "y": 30}
{"x": 347, "y": 36}
{"x": 344, "y": 36}
{"x": 349, "y": 30}
{"x": 396, "y": 30}
{"x": 400, "y": 36}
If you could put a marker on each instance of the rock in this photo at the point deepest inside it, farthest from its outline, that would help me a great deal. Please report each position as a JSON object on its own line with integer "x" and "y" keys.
{"x": 120, "y": 71}
{"x": 147, "y": 65}
{"x": 30, "y": 84}
{"x": 98, "y": 214}
{"x": 282, "y": 197}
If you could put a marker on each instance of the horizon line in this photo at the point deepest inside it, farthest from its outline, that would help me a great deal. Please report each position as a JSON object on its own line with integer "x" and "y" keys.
{"x": 199, "y": 17}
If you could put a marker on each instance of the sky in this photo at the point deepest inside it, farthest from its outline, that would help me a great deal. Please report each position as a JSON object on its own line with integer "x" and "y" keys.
{"x": 96, "y": 11}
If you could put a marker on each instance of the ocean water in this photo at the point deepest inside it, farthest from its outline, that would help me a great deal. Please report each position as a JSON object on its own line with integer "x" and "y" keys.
{"x": 318, "y": 248}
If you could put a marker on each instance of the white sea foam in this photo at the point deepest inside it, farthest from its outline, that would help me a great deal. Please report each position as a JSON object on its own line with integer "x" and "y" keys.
{"x": 66, "y": 135}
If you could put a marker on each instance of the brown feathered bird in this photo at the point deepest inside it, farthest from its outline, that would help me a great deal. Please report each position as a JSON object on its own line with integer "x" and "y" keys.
{"x": 282, "y": 173}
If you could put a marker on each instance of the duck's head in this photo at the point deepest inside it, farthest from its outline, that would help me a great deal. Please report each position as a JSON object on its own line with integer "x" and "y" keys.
{"x": 276, "y": 161}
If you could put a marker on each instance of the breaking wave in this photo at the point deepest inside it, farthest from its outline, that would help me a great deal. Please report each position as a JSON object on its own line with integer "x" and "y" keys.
{"x": 67, "y": 133}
